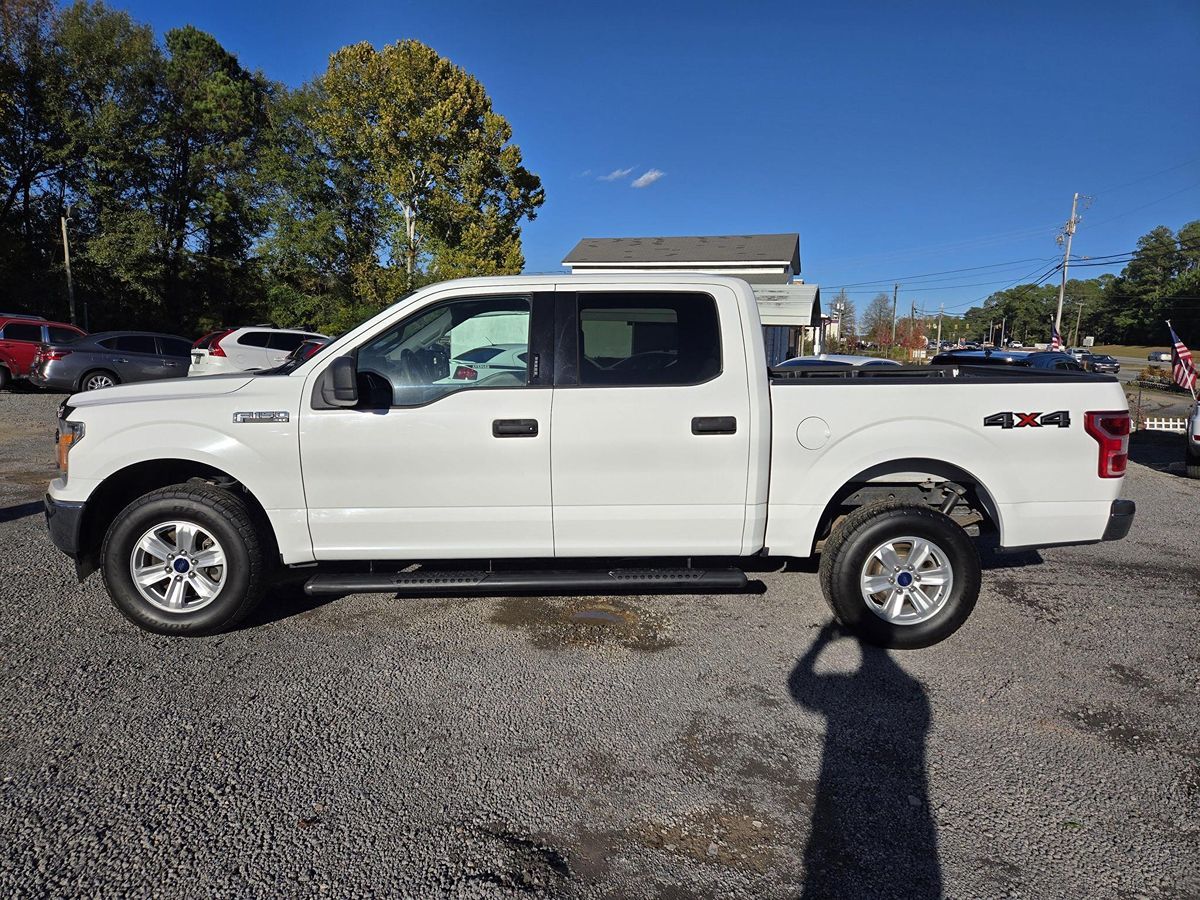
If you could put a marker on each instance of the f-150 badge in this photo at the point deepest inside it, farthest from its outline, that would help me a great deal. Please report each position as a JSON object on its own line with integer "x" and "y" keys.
{"x": 1062, "y": 419}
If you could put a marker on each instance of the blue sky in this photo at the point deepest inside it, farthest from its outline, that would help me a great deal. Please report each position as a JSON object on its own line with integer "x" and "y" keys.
{"x": 898, "y": 139}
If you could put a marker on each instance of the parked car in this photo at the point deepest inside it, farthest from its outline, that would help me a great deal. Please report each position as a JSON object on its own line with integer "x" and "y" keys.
{"x": 21, "y": 335}
{"x": 305, "y": 351}
{"x": 1037, "y": 359}
{"x": 366, "y": 456}
{"x": 1159, "y": 356}
{"x": 245, "y": 349}
{"x": 110, "y": 358}
{"x": 490, "y": 360}
{"x": 833, "y": 360}
{"x": 1192, "y": 436}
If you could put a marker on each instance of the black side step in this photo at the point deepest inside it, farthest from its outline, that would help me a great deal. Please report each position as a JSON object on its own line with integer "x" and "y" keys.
{"x": 416, "y": 584}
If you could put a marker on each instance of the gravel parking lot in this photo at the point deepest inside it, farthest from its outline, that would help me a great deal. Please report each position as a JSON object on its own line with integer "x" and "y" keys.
{"x": 658, "y": 746}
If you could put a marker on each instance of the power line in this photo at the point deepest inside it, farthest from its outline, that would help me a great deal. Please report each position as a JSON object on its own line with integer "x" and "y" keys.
{"x": 1145, "y": 177}
{"x": 1190, "y": 187}
{"x": 1014, "y": 262}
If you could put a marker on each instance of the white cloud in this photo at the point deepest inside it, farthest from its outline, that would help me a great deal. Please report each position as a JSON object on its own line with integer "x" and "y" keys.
{"x": 616, "y": 174}
{"x": 585, "y": 173}
{"x": 648, "y": 178}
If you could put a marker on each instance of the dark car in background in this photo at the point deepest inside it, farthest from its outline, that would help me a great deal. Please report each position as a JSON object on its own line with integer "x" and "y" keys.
{"x": 1039, "y": 359}
{"x": 1100, "y": 362}
{"x": 109, "y": 358}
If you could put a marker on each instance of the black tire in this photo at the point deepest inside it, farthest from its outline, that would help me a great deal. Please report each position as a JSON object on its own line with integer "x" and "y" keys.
{"x": 1193, "y": 470}
{"x": 847, "y": 552}
{"x": 227, "y": 519}
{"x": 5, "y": 378}
{"x": 97, "y": 373}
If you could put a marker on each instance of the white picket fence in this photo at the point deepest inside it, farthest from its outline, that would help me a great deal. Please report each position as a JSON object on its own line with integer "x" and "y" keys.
{"x": 1163, "y": 424}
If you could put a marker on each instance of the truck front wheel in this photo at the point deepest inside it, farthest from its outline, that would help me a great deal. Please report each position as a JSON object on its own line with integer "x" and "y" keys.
{"x": 899, "y": 575}
{"x": 184, "y": 560}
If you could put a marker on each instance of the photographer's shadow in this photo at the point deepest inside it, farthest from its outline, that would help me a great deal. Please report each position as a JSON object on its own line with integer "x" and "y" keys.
{"x": 872, "y": 833}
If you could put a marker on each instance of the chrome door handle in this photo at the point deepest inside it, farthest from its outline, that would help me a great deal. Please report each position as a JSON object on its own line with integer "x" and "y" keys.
{"x": 120, "y": 360}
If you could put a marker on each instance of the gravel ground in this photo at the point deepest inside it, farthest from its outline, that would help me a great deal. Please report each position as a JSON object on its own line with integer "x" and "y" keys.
{"x": 660, "y": 746}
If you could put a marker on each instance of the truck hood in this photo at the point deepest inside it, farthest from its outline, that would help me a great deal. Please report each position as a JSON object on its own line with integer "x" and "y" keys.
{"x": 168, "y": 389}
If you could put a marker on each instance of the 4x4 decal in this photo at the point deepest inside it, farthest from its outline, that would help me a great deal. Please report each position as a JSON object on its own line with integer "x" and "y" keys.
{"x": 1062, "y": 419}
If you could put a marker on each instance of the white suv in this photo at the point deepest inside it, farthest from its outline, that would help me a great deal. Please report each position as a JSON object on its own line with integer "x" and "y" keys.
{"x": 245, "y": 349}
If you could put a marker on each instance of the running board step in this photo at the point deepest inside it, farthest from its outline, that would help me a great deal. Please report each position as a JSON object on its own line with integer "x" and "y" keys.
{"x": 429, "y": 582}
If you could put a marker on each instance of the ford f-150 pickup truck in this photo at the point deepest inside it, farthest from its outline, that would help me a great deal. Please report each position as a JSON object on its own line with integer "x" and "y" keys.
{"x": 635, "y": 437}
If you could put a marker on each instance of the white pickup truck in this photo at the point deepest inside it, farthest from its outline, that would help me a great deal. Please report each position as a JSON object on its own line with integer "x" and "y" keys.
{"x": 627, "y": 428}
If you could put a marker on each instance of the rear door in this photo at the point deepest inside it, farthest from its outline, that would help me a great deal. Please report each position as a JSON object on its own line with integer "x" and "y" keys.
{"x": 651, "y": 423}
{"x": 280, "y": 344}
{"x": 175, "y": 354}
{"x": 136, "y": 358}
{"x": 249, "y": 351}
{"x": 18, "y": 342}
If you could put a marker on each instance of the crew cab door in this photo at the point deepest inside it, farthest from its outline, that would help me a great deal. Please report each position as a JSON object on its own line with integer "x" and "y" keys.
{"x": 437, "y": 460}
{"x": 651, "y": 422}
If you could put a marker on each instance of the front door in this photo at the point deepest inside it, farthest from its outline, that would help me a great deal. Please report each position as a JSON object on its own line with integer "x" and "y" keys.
{"x": 651, "y": 424}
{"x": 439, "y": 459}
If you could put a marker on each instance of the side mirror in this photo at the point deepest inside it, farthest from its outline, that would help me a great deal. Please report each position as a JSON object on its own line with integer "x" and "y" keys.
{"x": 339, "y": 383}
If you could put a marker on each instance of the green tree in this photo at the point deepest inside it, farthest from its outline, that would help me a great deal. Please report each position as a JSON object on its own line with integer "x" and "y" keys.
{"x": 450, "y": 187}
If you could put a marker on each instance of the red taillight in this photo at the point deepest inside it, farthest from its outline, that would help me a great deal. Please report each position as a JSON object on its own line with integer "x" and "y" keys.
{"x": 214, "y": 349}
{"x": 55, "y": 354}
{"x": 1111, "y": 431}
{"x": 465, "y": 373}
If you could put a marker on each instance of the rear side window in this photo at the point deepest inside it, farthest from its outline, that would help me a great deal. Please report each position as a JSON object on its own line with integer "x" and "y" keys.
{"x": 285, "y": 340}
{"x": 62, "y": 335}
{"x": 135, "y": 343}
{"x": 254, "y": 339}
{"x": 21, "y": 331}
{"x": 175, "y": 347}
{"x": 648, "y": 339}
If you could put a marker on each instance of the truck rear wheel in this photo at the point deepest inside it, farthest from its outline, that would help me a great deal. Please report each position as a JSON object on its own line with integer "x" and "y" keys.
{"x": 899, "y": 575}
{"x": 184, "y": 560}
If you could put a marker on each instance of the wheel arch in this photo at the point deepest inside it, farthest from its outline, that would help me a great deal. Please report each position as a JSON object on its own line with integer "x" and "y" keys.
{"x": 92, "y": 371}
{"x": 905, "y": 475}
{"x": 125, "y": 485}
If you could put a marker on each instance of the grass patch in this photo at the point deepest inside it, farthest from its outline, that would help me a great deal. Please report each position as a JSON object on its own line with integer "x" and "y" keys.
{"x": 1127, "y": 349}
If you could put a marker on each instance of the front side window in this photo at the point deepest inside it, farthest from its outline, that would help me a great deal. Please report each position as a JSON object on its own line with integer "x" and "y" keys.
{"x": 447, "y": 348}
{"x": 648, "y": 339}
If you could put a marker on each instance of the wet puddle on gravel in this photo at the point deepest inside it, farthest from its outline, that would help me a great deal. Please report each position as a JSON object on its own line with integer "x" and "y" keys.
{"x": 743, "y": 840}
{"x": 583, "y": 622}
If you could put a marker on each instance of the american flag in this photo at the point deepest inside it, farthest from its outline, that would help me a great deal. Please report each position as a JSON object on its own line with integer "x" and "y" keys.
{"x": 1055, "y": 337}
{"x": 1183, "y": 369}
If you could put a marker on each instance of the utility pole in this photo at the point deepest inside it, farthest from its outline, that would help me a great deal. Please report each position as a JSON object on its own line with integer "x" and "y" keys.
{"x": 991, "y": 330}
{"x": 941, "y": 309}
{"x": 895, "y": 294}
{"x": 67, "y": 262}
{"x": 1003, "y": 322}
{"x": 1078, "y": 318}
{"x": 1065, "y": 238}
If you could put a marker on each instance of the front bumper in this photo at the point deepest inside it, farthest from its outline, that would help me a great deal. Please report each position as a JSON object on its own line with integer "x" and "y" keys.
{"x": 1120, "y": 520}
{"x": 65, "y": 521}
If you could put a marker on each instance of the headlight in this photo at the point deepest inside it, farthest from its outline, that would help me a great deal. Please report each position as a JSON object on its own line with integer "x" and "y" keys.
{"x": 69, "y": 434}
